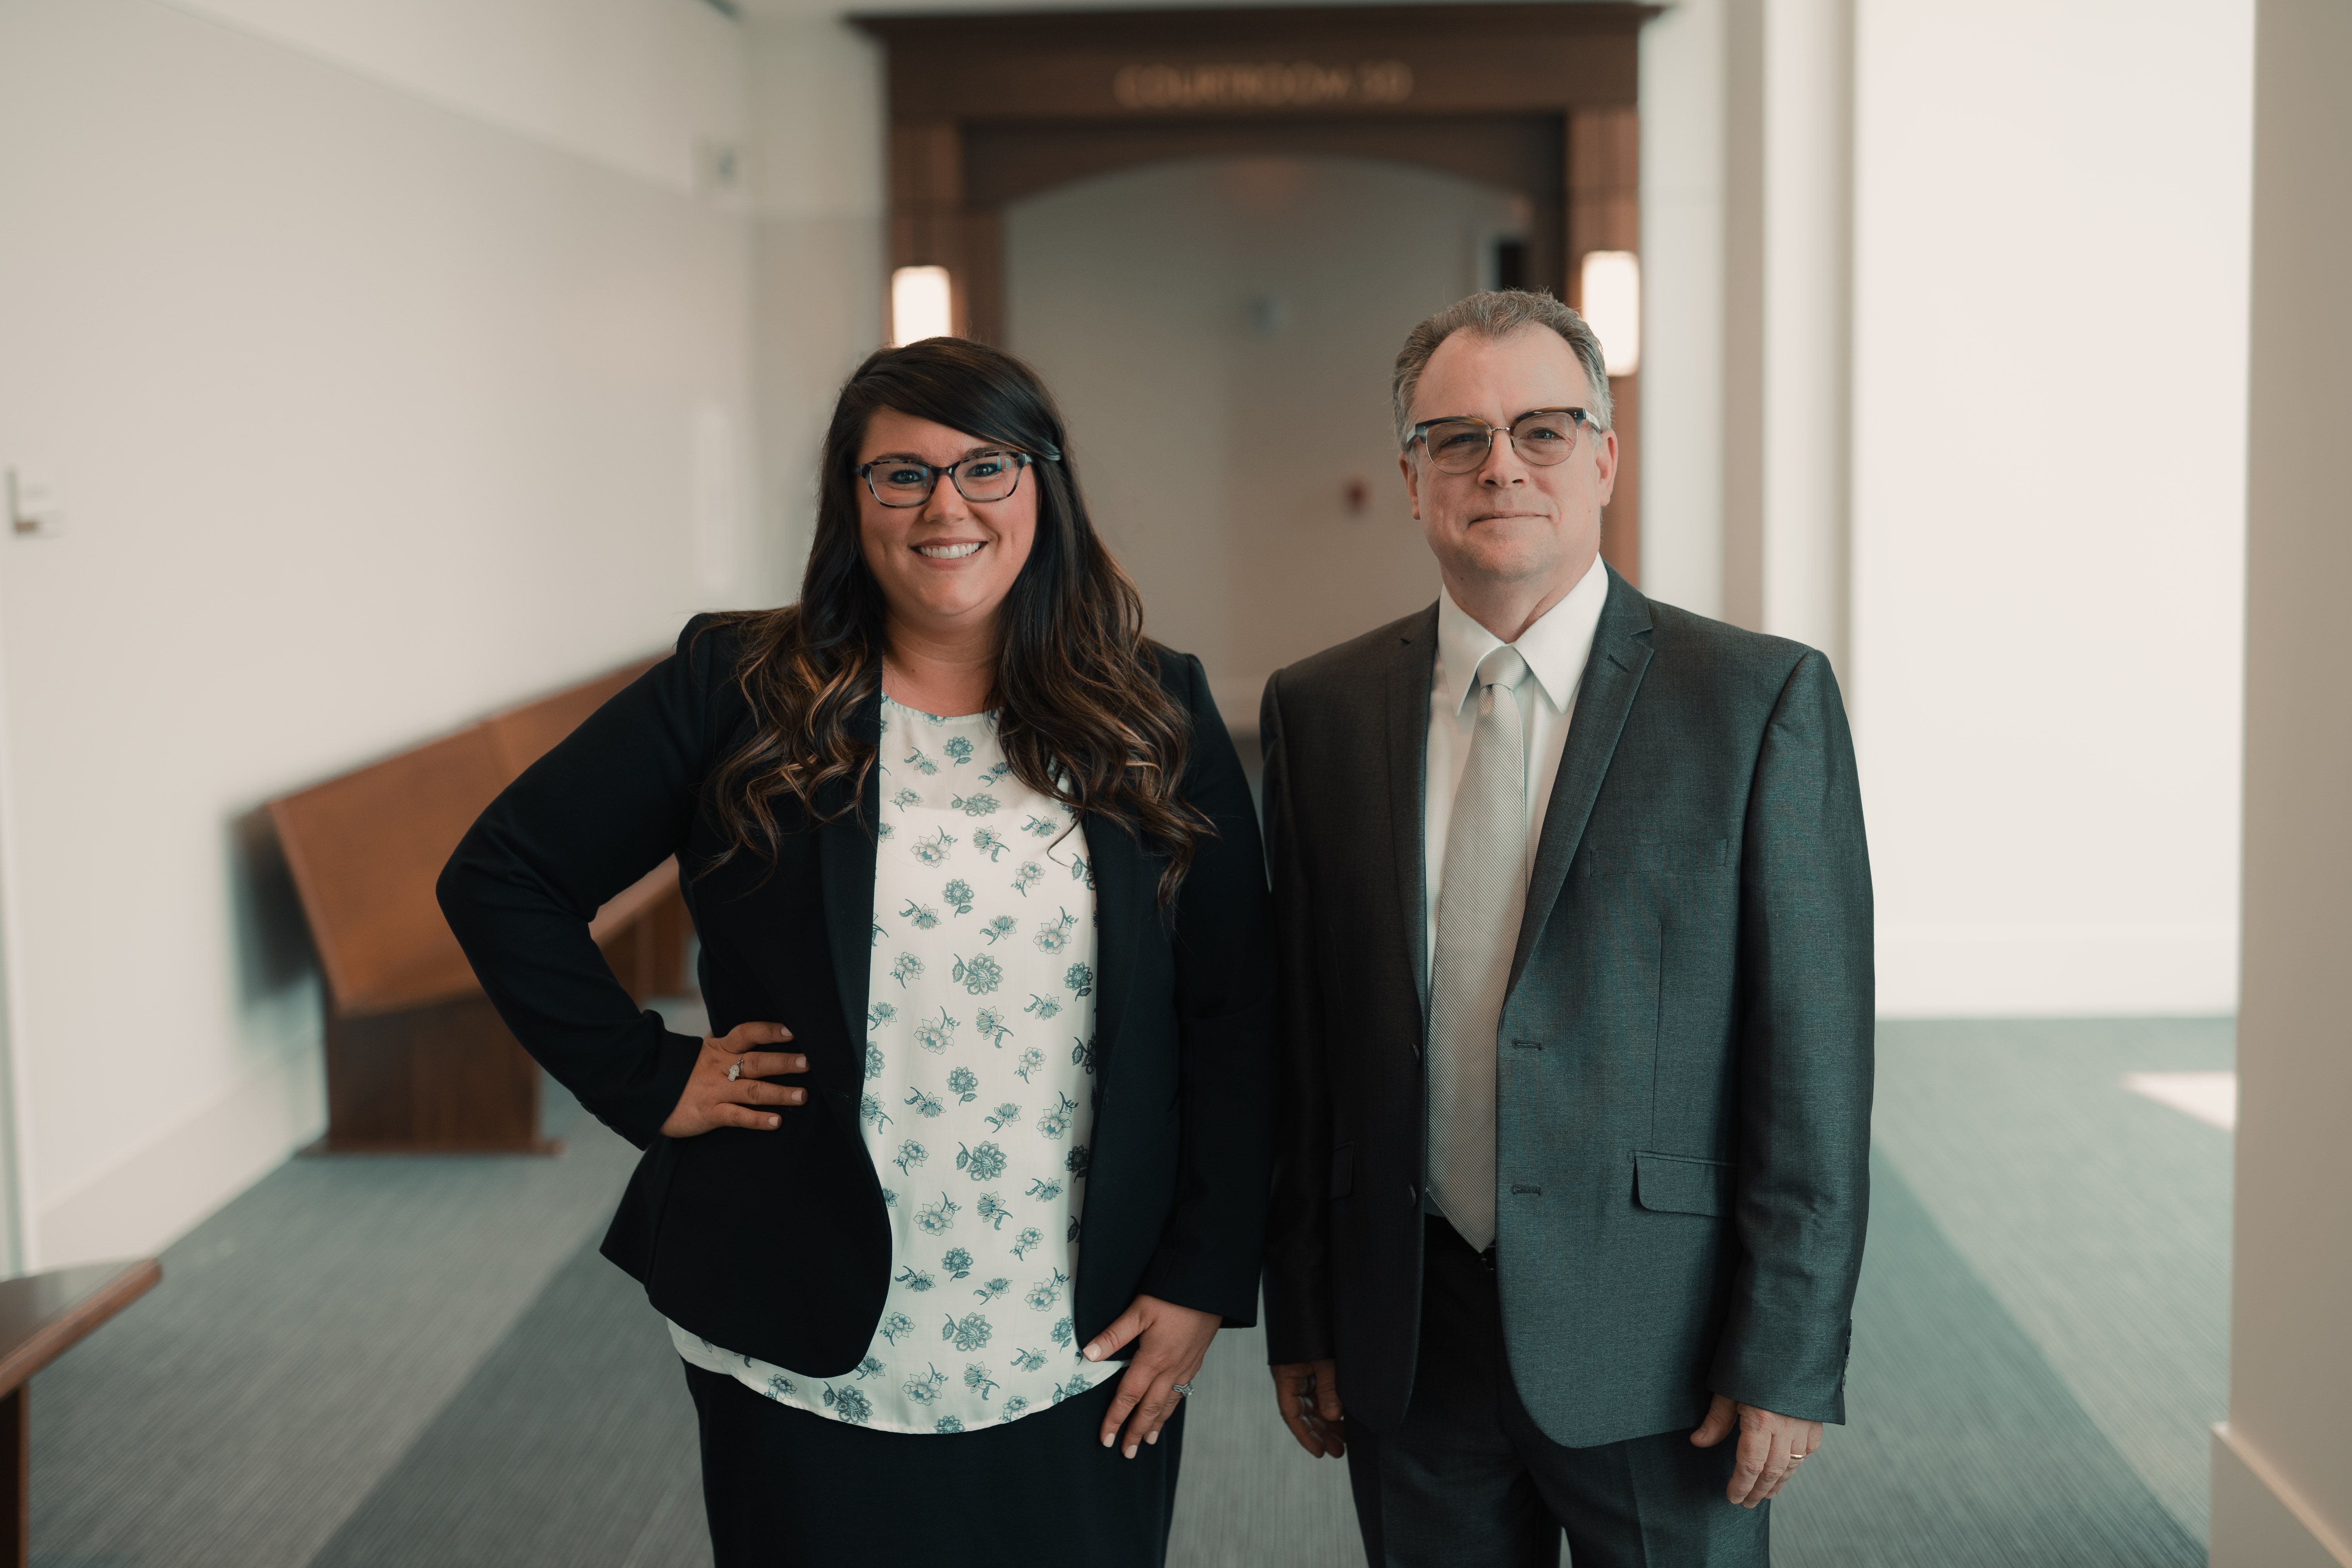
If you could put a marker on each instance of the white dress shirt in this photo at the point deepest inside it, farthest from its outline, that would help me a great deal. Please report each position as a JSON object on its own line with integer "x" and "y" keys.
{"x": 1556, "y": 648}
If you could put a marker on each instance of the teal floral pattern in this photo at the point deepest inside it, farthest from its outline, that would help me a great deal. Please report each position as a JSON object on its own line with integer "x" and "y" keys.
{"x": 979, "y": 976}
{"x": 981, "y": 949}
{"x": 1052, "y": 937}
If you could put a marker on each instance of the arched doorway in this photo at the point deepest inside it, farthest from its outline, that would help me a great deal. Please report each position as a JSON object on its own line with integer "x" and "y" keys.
{"x": 1220, "y": 332}
{"x": 1536, "y": 100}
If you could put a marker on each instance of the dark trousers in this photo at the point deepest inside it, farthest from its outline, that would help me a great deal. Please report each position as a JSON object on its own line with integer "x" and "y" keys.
{"x": 1469, "y": 1480}
{"x": 783, "y": 1487}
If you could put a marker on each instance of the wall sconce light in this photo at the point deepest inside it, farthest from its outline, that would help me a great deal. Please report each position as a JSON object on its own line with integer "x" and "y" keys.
{"x": 1611, "y": 286}
{"x": 919, "y": 306}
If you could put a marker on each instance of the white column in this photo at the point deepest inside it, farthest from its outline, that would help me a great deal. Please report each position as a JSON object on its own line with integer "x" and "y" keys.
{"x": 1682, "y": 256}
{"x": 2282, "y": 1462}
{"x": 1808, "y": 169}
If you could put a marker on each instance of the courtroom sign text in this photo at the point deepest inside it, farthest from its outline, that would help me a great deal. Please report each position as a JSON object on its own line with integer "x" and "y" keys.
{"x": 1300, "y": 84}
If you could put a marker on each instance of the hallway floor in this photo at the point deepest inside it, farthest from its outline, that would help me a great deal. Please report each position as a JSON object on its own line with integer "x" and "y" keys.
{"x": 424, "y": 1361}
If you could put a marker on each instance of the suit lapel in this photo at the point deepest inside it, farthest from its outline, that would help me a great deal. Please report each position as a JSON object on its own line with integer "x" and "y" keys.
{"x": 845, "y": 850}
{"x": 1410, "y": 668}
{"x": 1127, "y": 890}
{"x": 1621, "y": 653}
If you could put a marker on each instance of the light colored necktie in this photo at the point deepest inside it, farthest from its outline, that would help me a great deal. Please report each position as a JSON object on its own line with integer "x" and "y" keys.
{"x": 1478, "y": 909}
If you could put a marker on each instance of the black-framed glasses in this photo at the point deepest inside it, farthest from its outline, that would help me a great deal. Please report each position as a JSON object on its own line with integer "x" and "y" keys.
{"x": 991, "y": 474}
{"x": 1458, "y": 444}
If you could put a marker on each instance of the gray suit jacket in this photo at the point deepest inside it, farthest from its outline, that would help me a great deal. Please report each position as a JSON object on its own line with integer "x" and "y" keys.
{"x": 1683, "y": 1060}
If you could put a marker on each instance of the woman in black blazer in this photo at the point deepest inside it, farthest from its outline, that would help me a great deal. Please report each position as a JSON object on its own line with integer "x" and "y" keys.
{"x": 897, "y": 1355}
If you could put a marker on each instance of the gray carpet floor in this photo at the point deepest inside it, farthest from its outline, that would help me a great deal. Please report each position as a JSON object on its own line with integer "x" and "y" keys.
{"x": 397, "y": 1361}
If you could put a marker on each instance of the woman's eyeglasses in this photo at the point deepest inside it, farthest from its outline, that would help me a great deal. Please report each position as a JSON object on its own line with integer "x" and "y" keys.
{"x": 1459, "y": 444}
{"x": 985, "y": 475}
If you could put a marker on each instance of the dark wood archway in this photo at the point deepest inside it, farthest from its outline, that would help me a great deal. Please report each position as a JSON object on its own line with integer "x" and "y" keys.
{"x": 1538, "y": 99}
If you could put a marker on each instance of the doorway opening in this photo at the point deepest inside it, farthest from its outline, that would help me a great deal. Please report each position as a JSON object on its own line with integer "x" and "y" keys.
{"x": 1221, "y": 333}
{"x": 1328, "y": 174}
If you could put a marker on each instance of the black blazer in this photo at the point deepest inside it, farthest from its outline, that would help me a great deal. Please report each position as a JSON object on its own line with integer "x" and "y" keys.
{"x": 775, "y": 1243}
{"x": 1682, "y": 1062}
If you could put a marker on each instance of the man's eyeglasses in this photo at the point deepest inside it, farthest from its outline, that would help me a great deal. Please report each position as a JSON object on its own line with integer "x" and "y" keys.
{"x": 985, "y": 475}
{"x": 1459, "y": 443}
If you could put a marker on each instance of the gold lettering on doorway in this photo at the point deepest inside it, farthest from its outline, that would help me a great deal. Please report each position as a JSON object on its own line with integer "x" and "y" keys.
{"x": 1299, "y": 83}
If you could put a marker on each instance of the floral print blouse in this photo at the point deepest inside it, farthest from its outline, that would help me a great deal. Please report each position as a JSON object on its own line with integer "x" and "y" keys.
{"x": 980, "y": 1074}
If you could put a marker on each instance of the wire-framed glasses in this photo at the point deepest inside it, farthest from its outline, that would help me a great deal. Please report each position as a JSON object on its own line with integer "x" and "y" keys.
{"x": 1458, "y": 444}
{"x": 990, "y": 474}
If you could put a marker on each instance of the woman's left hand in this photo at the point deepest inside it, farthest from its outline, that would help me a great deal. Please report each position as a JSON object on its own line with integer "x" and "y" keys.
{"x": 1171, "y": 1343}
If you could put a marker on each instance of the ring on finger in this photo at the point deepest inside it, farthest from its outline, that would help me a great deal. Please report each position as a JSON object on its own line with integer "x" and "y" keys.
{"x": 734, "y": 1070}
{"x": 1180, "y": 1390}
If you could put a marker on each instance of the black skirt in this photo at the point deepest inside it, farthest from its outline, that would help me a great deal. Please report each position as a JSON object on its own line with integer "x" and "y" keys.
{"x": 783, "y": 1486}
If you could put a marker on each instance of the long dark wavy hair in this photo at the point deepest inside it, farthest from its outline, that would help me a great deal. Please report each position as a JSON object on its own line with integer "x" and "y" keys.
{"x": 1080, "y": 710}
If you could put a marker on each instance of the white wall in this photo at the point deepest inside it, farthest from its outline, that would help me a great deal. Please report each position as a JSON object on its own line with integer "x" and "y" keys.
{"x": 646, "y": 86}
{"x": 819, "y": 189}
{"x": 1807, "y": 308}
{"x": 370, "y": 413}
{"x": 1683, "y": 280}
{"x": 2050, "y": 252}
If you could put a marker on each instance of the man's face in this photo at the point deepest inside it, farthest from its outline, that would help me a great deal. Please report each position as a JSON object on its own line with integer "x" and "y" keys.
{"x": 1510, "y": 520}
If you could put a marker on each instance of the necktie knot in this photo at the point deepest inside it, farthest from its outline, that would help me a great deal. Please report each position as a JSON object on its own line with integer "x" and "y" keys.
{"x": 1505, "y": 667}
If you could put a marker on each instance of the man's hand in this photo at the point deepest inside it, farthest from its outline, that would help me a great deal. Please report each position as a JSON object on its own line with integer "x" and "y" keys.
{"x": 1307, "y": 1395}
{"x": 1171, "y": 1343}
{"x": 1770, "y": 1448}
{"x": 729, "y": 1080}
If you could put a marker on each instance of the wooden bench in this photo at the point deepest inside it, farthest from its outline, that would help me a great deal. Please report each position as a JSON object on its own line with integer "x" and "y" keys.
{"x": 42, "y": 1316}
{"x": 418, "y": 1059}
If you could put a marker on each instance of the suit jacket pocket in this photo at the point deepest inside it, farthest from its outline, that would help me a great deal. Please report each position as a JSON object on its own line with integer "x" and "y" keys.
{"x": 1343, "y": 1170}
{"x": 1681, "y": 1183}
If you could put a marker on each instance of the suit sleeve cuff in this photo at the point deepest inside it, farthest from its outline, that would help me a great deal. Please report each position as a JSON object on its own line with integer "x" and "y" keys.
{"x": 638, "y": 1116}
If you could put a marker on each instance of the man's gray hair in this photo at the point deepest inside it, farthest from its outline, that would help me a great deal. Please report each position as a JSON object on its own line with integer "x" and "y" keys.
{"x": 1497, "y": 313}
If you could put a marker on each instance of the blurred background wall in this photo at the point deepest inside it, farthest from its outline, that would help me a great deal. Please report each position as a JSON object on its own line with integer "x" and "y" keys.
{"x": 395, "y": 362}
{"x": 1221, "y": 333}
{"x": 2050, "y": 258}
{"x": 391, "y": 363}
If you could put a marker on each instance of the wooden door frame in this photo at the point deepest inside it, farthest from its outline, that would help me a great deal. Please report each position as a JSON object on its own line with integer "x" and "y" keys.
{"x": 985, "y": 108}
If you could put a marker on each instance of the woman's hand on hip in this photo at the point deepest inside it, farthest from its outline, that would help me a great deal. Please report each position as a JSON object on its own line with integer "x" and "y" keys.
{"x": 729, "y": 1086}
{"x": 1170, "y": 1344}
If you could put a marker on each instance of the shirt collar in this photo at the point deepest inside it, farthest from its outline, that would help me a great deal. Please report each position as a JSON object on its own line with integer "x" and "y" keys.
{"x": 1556, "y": 648}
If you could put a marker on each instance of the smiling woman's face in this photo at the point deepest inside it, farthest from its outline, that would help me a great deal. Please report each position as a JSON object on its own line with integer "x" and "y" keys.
{"x": 1510, "y": 520}
{"x": 944, "y": 566}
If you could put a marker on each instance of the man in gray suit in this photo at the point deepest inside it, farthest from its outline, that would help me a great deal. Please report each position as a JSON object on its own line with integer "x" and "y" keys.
{"x": 1575, "y": 918}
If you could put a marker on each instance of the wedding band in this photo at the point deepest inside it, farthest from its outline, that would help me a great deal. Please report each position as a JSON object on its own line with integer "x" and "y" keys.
{"x": 1180, "y": 1390}
{"x": 1796, "y": 1459}
{"x": 734, "y": 1070}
